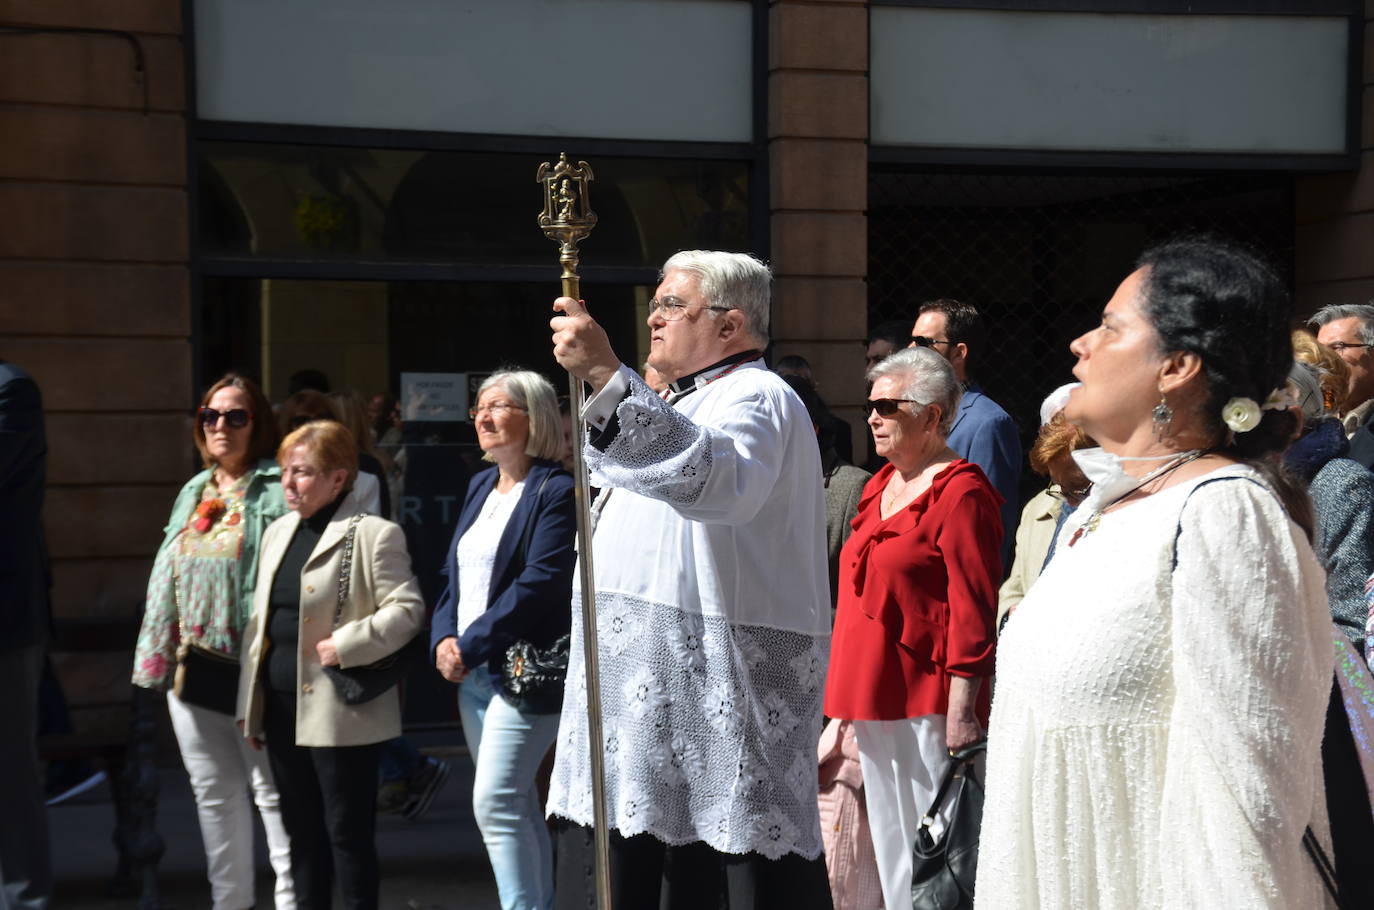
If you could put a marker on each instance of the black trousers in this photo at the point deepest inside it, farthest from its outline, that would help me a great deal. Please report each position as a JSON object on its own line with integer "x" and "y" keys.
{"x": 647, "y": 874}
{"x": 329, "y": 808}
{"x": 25, "y": 864}
{"x": 1347, "y": 804}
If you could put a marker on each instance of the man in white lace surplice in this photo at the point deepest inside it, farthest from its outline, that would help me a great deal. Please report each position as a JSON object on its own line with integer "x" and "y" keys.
{"x": 712, "y": 600}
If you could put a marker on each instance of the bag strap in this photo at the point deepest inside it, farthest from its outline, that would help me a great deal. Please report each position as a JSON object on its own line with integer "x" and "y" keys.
{"x": 959, "y": 761}
{"x": 346, "y": 567}
{"x": 529, "y": 525}
{"x": 1324, "y": 868}
{"x": 1178, "y": 529}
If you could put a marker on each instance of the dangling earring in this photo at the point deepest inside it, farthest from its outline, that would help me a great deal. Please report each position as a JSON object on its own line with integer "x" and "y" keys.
{"x": 1163, "y": 416}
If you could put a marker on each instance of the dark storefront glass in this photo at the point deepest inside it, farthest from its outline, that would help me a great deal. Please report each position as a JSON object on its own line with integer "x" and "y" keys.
{"x": 365, "y": 334}
{"x": 284, "y": 230}
{"x": 475, "y": 208}
{"x": 1041, "y": 254}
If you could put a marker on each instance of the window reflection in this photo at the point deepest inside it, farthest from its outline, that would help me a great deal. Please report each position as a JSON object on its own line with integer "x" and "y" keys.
{"x": 324, "y": 202}
{"x": 365, "y": 334}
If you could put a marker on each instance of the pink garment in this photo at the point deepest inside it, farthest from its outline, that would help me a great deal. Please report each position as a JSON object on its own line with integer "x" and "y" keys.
{"x": 849, "y": 860}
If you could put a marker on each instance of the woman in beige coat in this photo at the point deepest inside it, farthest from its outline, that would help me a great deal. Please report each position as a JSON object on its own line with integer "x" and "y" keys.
{"x": 323, "y": 752}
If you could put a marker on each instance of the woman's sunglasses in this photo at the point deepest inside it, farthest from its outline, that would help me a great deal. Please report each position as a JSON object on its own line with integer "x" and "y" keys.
{"x": 886, "y": 407}
{"x": 236, "y": 418}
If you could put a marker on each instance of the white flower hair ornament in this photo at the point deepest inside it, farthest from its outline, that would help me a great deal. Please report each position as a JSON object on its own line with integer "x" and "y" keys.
{"x": 1242, "y": 415}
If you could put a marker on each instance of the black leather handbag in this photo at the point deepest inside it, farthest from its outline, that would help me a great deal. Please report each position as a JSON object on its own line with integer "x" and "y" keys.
{"x": 942, "y": 872}
{"x": 204, "y": 677}
{"x": 358, "y": 685}
{"x": 532, "y": 679}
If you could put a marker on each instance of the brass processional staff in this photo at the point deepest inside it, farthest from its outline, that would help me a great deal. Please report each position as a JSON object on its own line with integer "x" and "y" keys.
{"x": 568, "y": 218}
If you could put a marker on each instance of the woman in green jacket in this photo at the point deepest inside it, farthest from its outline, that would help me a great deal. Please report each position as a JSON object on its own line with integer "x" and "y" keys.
{"x": 201, "y": 594}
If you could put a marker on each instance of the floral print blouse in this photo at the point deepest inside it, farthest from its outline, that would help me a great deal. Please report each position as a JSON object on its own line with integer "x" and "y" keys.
{"x": 193, "y": 587}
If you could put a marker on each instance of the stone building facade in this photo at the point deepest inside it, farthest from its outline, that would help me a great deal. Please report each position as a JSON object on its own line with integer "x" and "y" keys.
{"x": 105, "y": 290}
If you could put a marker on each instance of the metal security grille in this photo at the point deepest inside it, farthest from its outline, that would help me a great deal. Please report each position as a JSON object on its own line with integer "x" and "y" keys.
{"x": 1039, "y": 255}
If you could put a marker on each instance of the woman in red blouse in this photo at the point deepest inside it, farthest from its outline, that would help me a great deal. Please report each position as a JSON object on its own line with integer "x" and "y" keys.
{"x": 915, "y": 625}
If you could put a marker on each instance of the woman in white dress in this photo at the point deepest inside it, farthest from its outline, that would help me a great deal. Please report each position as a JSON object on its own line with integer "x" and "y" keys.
{"x": 1156, "y": 731}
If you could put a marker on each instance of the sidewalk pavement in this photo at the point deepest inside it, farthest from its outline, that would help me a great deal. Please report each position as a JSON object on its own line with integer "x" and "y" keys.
{"x": 435, "y": 863}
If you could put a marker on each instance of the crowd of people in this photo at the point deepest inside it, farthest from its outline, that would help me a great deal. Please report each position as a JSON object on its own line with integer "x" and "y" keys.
{"x": 795, "y": 651}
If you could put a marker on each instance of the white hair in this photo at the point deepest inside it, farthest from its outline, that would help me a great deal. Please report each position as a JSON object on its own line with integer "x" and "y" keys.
{"x": 927, "y": 378}
{"x": 734, "y": 280}
{"x": 535, "y": 394}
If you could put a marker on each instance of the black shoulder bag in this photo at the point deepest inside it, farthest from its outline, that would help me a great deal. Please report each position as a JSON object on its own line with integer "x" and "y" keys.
{"x": 532, "y": 678}
{"x": 204, "y": 677}
{"x": 358, "y": 685}
{"x": 942, "y": 872}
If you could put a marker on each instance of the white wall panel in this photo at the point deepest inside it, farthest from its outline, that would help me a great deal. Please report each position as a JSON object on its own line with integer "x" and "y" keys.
{"x": 1108, "y": 82}
{"x": 629, "y": 69}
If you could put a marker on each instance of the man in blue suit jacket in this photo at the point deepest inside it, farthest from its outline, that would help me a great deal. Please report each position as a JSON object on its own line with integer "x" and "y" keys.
{"x": 25, "y": 869}
{"x": 983, "y": 433}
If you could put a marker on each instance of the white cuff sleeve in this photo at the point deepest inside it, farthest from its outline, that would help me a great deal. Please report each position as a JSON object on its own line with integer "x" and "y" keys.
{"x": 600, "y": 408}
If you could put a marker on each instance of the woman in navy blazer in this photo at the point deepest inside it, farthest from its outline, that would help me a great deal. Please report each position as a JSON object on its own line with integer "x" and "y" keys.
{"x": 509, "y": 574}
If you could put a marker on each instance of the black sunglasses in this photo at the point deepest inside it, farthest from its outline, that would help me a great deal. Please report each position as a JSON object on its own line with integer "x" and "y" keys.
{"x": 922, "y": 341}
{"x": 235, "y": 418}
{"x": 886, "y": 407}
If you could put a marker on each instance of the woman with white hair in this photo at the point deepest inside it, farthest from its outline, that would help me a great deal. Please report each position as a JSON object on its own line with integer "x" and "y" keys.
{"x": 914, "y": 628}
{"x": 509, "y": 574}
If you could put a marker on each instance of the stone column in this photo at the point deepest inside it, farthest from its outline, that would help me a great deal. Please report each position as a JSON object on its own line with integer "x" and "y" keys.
{"x": 818, "y": 155}
{"x": 96, "y": 304}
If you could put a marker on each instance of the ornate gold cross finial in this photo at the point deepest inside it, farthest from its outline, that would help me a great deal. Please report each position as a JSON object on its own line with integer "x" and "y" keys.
{"x": 567, "y": 217}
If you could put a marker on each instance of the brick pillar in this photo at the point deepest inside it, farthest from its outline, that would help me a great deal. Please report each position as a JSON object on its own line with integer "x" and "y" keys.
{"x": 818, "y": 154}
{"x": 96, "y": 301}
{"x": 1335, "y": 216}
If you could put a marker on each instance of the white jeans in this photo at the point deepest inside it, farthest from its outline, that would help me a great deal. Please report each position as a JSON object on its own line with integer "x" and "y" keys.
{"x": 222, "y": 767}
{"x": 903, "y": 762}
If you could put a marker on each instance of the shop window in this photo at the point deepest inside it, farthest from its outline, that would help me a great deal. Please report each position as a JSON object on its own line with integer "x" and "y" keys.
{"x": 1040, "y": 254}
{"x": 284, "y": 231}
{"x": 317, "y": 203}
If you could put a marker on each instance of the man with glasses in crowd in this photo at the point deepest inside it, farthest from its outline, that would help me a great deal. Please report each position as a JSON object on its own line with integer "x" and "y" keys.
{"x": 983, "y": 432}
{"x": 1348, "y": 329}
{"x": 713, "y": 608}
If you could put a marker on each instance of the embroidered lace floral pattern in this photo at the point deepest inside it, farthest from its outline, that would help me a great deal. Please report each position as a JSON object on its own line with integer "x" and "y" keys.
{"x": 712, "y": 738}
{"x": 657, "y": 448}
{"x": 204, "y": 567}
{"x": 223, "y": 539}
